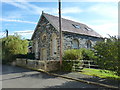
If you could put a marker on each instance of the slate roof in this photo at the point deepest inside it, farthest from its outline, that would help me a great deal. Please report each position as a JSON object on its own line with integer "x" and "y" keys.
{"x": 69, "y": 26}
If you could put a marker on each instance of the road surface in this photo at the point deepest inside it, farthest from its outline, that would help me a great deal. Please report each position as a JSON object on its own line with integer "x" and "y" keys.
{"x": 17, "y": 77}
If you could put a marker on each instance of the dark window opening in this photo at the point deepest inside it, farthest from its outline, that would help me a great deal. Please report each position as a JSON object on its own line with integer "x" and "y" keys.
{"x": 88, "y": 29}
{"x": 75, "y": 44}
{"x": 76, "y": 26}
{"x": 89, "y": 44}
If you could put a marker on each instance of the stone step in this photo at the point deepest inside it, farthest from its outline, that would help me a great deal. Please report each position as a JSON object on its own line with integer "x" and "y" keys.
{"x": 78, "y": 68}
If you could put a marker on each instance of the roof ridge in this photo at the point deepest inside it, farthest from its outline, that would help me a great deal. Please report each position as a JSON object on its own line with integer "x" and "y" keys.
{"x": 64, "y": 18}
{"x": 67, "y": 25}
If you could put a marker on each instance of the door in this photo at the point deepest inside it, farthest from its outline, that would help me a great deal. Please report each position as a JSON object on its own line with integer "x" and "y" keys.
{"x": 44, "y": 54}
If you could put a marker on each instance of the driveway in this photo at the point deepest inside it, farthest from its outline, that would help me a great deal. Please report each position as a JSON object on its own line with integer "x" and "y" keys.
{"x": 17, "y": 77}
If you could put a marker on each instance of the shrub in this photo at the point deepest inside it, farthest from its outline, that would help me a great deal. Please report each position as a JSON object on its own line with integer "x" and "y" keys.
{"x": 72, "y": 54}
{"x": 88, "y": 54}
{"x": 79, "y": 54}
{"x": 11, "y": 46}
{"x": 71, "y": 65}
{"x": 31, "y": 56}
{"x": 27, "y": 56}
{"x": 108, "y": 53}
{"x": 67, "y": 65}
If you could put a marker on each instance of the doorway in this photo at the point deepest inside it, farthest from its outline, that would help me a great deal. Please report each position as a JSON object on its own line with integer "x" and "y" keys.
{"x": 44, "y": 54}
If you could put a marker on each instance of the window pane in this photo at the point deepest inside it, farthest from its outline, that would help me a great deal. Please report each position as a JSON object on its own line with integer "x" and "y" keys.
{"x": 75, "y": 44}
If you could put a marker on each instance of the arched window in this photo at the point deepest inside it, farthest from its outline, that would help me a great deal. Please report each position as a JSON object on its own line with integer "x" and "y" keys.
{"x": 36, "y": 46}
{"x": 36, "y": 49}
{"x": 54, "y": 45}
{"x": 44, "y": 37}
{"x": 89, "y": 44}
{"x": 75, "y": 43}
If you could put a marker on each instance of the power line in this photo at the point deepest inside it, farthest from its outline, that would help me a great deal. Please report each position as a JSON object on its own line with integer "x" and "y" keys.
{"x": 25, "y": 32}
{"x": 4, "y": 33}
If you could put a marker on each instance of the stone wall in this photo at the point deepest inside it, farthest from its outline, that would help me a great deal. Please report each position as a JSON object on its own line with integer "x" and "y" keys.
{"x": 42, "y": 37}
{"x": 46, "y": 65}
{"x": 82, "y": 39}
{"x": 43, "y": 40}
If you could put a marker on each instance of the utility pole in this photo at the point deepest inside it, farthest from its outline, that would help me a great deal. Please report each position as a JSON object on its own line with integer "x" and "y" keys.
{"x": 6, "y": 33}
{"x": 60, "y": 33}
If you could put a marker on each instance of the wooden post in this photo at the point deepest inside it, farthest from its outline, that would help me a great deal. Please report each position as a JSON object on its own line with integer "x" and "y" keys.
{"x": 60, "y": 33}
{"x": 6, "y": 33}
{"x": 89, "y": 63}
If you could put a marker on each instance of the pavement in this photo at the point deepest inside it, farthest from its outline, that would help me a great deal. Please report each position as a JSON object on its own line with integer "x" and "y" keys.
{"x": 110, "y": 83}
{"x": 77, "y": 76}
{"x": 18, "y": 77}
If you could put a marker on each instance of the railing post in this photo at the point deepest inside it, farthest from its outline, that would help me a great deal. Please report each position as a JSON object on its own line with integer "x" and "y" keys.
{"x": 89, "y": 63}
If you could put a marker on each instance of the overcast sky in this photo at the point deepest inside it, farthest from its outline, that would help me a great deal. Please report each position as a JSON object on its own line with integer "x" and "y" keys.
{"x": 22, "y": 17}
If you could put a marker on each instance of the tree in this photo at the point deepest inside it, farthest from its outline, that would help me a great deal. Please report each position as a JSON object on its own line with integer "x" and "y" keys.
{"x": 11, "y": 46}
{"x": 108, "y": 52}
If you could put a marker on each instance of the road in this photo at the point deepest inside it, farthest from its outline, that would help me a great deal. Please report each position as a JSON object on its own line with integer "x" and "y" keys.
{"x": 17, "y": 77}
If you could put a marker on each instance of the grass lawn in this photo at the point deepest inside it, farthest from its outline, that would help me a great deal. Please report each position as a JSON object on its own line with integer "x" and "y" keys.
{"x": 100, "y": 73}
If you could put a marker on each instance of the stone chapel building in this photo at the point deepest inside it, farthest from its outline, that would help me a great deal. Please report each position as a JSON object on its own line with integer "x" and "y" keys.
{"x": 46, "y": 43}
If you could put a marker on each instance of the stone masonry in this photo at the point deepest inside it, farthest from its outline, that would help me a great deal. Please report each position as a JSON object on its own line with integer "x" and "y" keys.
{"x": 46, "y": 40}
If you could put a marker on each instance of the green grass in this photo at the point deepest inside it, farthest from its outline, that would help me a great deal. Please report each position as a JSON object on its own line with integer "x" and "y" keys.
{"x": 100, "y": 73}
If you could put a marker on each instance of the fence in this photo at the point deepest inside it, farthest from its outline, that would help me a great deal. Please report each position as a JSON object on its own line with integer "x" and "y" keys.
{"x": 89, "y": 64}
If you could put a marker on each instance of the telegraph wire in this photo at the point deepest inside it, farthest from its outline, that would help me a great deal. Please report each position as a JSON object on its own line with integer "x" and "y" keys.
{"x": 4, "y": 33}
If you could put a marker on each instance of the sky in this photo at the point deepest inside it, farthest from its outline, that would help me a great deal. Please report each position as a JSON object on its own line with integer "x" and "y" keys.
{"x": 21, "y": 16}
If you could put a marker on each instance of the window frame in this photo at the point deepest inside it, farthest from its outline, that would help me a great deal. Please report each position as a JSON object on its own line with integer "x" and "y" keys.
{"x": 73, "y": 41}
{"x": 89, "y": 44}
{"x": 76, "y": 26}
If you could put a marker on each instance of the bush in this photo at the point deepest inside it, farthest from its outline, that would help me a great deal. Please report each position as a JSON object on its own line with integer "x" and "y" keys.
{"x": 71, "y": 65}
{"x": 88, "y": 54}
{"x": 72, "y": 54}
{"x": 27, "y": 56}
{"x": 108, "y": 53}
{"x": 79, "y": 54}
{"x": 31, "y": 56}
{"x": 11, "y": 46}
{"x": 67, "y": 65}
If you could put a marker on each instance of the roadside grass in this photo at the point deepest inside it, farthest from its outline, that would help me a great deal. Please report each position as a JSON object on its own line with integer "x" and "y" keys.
{"x": 100, "y": 73}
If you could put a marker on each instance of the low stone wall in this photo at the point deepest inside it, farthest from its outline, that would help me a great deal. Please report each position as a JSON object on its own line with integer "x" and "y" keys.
{"x": 47, "y": 65}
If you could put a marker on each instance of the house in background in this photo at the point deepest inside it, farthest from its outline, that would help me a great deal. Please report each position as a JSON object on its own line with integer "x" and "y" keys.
{"x": 46, "y": 40}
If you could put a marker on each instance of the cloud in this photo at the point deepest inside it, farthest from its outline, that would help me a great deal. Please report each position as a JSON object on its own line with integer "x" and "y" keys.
{"x": 71, "y": 10}
{"x": 30, "y": 8}
{"x": 33, "y": 9}
{"x": 63, "y": 0}
{"x": 25, "y": 33}
{"x": 17, "y": 4}
{"x": 106, "y": 10}
{"x": 13, "y": 20}
{"x": 105, "y": 29}
{"x": 13, "y": 14}
{"x": 107, "y": 23}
